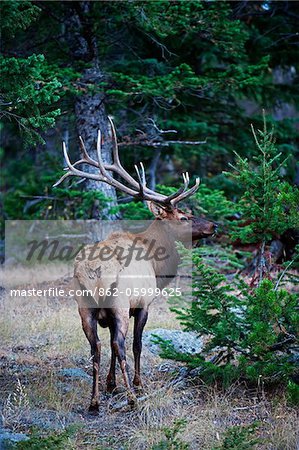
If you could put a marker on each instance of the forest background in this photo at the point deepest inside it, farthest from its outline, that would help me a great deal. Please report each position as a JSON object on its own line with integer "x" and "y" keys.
{"x": 209, "y": 87}
{"x": 194, "y": 72}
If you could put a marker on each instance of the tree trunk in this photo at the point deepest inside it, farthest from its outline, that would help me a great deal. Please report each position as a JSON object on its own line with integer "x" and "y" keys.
{"x": 153, "y": 169}
{"x": 90, "y": 117}
{"x": 89, "y": 107}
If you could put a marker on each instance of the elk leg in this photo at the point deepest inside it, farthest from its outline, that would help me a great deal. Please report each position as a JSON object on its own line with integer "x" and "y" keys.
{"x": 118, "y": 343}
{"x": 111, "y": 380}
{"x": 89, "y": 325}
{"x": 139, "y": 323}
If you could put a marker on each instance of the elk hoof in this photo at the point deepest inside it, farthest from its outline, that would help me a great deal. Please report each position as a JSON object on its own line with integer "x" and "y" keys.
{"x": 115, "y": 390}
{"x": 132, "y": 401}
{"x": 110, "y": 388}
{"x": 138, "y": 388}
{"x": 93, "y": 409}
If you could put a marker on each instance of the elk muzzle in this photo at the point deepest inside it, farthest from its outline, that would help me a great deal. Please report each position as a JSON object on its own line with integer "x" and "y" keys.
{"x": 202, "y": 228}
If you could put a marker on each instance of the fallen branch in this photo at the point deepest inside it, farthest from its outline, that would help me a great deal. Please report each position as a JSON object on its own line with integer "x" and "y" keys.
{"x": 160, "y": 144}
{"x": 124, "y": 404}
{"x": 281, "y": 344}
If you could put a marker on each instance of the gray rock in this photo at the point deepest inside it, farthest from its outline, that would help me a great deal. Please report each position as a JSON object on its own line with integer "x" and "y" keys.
{"x": 7, "y": 437}
{"x": 183, "y": 341}
{"x": 48, "y": 419}
{"x": 74, "y": 373}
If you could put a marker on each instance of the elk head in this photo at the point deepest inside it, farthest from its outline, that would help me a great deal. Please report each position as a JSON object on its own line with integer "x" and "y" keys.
{"x": 163, "y": 207}
{"x": 179, "y": 220}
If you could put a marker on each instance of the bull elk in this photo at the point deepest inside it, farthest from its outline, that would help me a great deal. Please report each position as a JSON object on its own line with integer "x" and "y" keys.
{"x": 147, "y": 275}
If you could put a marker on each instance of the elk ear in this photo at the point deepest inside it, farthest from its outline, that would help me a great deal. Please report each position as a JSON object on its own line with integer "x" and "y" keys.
{"x": 156, "y": 209}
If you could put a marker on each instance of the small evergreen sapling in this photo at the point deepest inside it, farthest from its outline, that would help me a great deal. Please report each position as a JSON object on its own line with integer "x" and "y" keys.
{"x": 248, "y": 333}
{"x": 268, "y": 205}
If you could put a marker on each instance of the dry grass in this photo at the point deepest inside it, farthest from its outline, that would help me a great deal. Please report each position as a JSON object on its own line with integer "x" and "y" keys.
{"x": 282, "y": 429}
{"x": 35, "y": 275}
{"x": 41, "y": 336}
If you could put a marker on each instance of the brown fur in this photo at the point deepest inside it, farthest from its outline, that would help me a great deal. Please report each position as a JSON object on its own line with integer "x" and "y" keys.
{"x": 150, "y": 273}
{"x": 164, "y": 231}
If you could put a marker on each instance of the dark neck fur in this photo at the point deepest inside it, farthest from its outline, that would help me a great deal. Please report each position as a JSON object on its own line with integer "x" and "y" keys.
{"x": 166, "y": 269}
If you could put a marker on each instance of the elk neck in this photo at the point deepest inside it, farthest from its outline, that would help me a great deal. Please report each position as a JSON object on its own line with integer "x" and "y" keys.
{"x": 161, "y": 241}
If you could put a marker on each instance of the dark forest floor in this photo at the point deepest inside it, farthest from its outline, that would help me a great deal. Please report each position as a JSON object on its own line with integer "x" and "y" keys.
{"x": 45, "y": 383}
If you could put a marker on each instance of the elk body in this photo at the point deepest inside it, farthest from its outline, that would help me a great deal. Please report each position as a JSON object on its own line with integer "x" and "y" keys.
{"x": 121, "y": 289}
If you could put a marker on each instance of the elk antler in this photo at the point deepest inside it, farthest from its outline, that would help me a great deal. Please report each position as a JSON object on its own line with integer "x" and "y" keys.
{"x": 136, "y": 189}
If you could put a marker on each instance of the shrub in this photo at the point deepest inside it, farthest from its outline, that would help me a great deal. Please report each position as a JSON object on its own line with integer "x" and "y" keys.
{"x": 268, "y": 204}
{"x": 249, "y": 333}
{"x": 171, "y": 441}
{"x": 239, "y": 438}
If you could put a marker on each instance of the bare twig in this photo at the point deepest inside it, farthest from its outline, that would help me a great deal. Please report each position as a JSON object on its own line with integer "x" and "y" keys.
{"x": 282, "y": 275}
{"x": 149, "y": 143}
{"x": 41, "y": 197}
{"x": 158, "y": 129}
{"x": 281, "y": 344}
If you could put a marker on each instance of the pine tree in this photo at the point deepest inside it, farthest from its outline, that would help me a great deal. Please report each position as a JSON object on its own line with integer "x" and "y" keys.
{"x": 190, "y": 67}
{"x": 268, "y": 204}
{"x": 248, "y": 333}
{"x": 29, "y": 92}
